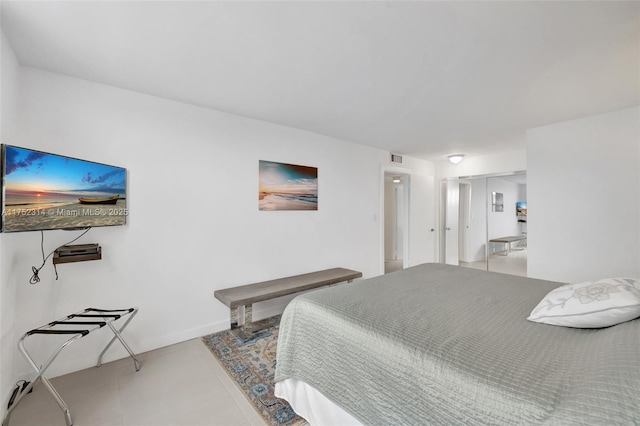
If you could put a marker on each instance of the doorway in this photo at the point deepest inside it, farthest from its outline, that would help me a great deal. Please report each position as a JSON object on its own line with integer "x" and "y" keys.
{"x": 396, "y": 201}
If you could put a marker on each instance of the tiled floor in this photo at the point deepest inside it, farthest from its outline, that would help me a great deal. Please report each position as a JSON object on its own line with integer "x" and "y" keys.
{"x": 180, "y": 385}
{"x": 514, "y": 264}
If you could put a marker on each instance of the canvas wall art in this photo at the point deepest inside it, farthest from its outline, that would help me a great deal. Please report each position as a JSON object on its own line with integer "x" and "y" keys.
{"x": 521, "y": 208}
{"x": 497, "y": 202}
{"x": 287, "y": 187}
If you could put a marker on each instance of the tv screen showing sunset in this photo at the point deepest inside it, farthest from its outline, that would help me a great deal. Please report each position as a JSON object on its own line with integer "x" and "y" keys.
{"x": 47, "y": 191}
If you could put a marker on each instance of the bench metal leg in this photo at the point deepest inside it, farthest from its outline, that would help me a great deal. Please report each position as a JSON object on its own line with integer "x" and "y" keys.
{"x": 248, "y": 313}
{"x": 234, "y": 318}
{"x": 504, "y": 251}
{"x": 242, "y": 331}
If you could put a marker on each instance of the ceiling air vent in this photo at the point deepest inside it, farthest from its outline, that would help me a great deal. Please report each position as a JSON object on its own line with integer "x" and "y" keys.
{"x": 395, "y": 158}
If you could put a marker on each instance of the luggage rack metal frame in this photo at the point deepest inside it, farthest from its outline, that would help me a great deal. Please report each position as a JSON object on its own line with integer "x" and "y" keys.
{"x": 89, "y": 320}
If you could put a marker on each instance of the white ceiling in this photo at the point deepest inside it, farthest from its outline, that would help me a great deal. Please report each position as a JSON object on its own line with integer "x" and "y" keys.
{"x": 418, "y": 78}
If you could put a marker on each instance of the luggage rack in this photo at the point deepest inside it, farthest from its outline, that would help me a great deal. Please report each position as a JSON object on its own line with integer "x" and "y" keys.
{"x": 77, "y": 326}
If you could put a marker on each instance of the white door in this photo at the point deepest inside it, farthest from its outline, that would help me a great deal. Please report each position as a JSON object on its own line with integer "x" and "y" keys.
{"x": 451, "y": 222}
{"x": 422, "y": 221}
{"x": 464, "y": 222}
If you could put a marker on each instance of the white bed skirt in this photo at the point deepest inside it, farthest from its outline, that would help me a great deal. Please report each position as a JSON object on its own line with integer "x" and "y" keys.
{"x": 310, "y": 404}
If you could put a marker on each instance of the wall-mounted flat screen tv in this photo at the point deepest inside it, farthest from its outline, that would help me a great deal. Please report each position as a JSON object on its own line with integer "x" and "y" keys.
{"x": 42, "y": 191}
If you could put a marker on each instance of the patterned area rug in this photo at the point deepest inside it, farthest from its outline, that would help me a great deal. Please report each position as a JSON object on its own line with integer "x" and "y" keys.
{"x": 252, "y": 365}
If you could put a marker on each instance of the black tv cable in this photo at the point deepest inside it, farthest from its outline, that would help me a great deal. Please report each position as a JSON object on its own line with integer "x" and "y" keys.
{"x": 35, "y": 279}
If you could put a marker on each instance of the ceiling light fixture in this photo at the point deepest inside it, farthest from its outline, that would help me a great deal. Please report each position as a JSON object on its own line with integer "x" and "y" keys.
{"x": 396, "y": 179}
{"x": 455, "y": 158}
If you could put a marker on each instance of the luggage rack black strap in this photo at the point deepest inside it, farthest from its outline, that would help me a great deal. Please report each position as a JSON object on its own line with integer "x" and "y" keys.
{"x": 129, "y": 310}
{"x": 100, "y": 323}
{"x": 114, "y": 316}
{"x": 36, "y": 331}
{"x": 65, "y": 321}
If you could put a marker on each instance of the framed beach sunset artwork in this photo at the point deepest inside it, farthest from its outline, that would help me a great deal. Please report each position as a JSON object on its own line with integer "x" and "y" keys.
{"x": 287, "y": 187}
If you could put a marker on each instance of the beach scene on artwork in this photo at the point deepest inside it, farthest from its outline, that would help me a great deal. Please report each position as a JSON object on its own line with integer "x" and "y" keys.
{"x": 287, "y": 187}
{"x": 48, "y": 191}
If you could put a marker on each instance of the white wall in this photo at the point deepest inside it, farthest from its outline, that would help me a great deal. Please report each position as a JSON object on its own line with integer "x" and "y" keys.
{"x": 194, "y": 225}
{"x": 583, "y": 198}
{"x": 9, "y": 101}
{"x": 522, "y": 192}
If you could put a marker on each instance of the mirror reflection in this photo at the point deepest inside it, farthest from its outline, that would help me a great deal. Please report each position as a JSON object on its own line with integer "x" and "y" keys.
{"x": 485, "y": 223}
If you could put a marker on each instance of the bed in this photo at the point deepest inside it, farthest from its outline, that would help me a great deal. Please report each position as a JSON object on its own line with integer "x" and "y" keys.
{"x": 440, "y": 344}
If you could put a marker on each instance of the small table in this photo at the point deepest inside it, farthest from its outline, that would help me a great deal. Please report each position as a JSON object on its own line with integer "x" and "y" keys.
{"x": 507, "y": 241}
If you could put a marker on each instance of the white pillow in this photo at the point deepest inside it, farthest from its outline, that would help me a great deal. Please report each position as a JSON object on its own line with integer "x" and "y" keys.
{"x": 590, "y": 305}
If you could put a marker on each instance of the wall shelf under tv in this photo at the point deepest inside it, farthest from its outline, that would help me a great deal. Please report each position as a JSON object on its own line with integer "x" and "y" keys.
{"x": 77, "y": 253}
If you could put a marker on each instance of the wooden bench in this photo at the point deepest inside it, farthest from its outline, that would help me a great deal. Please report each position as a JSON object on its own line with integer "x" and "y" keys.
{"x": 245, "y": 296}
{"x": 507, "y": 241}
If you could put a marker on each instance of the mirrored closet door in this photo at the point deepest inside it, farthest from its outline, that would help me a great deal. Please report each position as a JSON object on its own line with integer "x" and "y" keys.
{"x": 484, "y": 223}
{"x": 507, "y": 224}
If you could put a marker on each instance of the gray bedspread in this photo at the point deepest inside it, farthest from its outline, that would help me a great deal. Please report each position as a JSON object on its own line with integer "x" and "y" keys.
{"x": 438, "y": 344}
